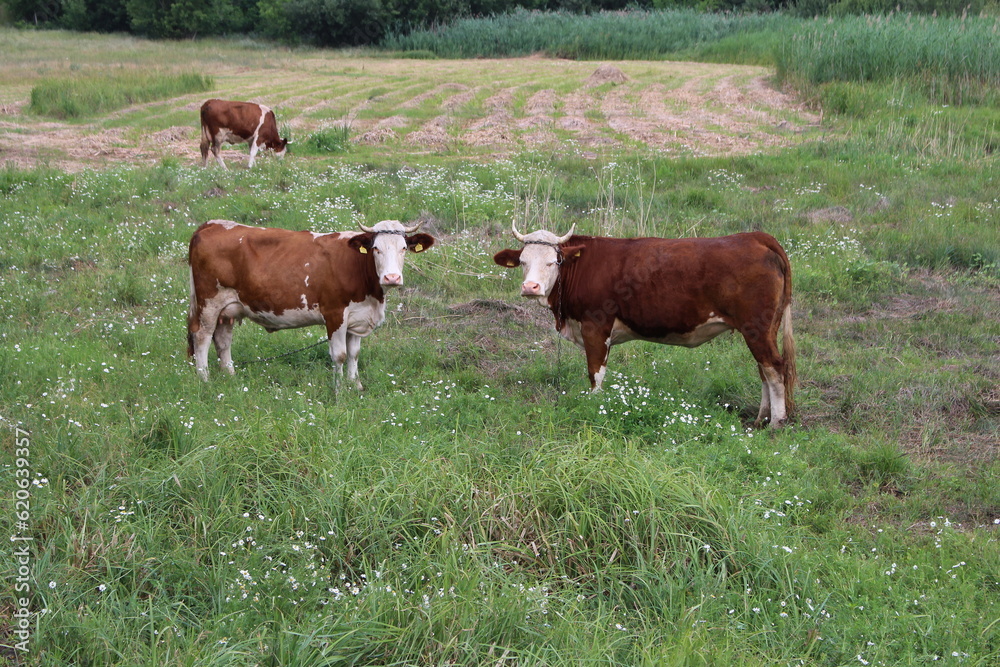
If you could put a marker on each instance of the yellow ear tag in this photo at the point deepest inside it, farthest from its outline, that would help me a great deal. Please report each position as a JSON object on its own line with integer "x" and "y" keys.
{"x": 363, "y": 250}
{"x": 577, "y": 253}
{"x": 418, "y": 248}
{"x": 511, "y": 264}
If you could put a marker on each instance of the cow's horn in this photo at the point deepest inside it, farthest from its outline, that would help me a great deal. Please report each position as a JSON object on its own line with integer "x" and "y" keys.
{"x": 563, "y": 239}
{"x": 370, "y": 230}
{"x": 413, "y": 228}
{"x": 517, "y": 235}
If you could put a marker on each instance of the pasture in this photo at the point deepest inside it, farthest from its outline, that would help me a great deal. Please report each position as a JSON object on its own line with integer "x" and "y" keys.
{"x": 474, "y": 504}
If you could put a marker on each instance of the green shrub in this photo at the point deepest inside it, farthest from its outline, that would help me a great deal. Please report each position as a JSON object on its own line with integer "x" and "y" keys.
{"x": 329, "y": 140}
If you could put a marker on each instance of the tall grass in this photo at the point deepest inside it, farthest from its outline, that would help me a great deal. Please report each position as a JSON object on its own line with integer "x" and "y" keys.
{"x": 636, "y": 34}
{"x": 90, "y": 93}
{"x": 952, "y": 60}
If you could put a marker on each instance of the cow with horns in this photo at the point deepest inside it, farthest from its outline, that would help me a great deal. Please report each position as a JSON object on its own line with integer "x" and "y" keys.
{"x": 606, "y": 291}
{"x": 284, "y": 279}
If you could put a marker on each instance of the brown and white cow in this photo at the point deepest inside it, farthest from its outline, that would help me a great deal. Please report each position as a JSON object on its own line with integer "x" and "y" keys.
{"x": 237, "y": 122}
{"x": 606, "y": 291}
{"x": 284, "y": 279}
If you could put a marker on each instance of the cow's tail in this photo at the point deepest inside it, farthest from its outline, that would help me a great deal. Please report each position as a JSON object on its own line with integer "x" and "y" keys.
{"x": 192, "y": 314}
{"x": 206, "y": 135}
{"x": 788, "y": 340}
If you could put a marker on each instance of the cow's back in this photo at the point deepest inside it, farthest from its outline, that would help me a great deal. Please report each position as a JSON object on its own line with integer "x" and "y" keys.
{"x": 276, "y": 264}
{"x": 662, "y": 286}
{"x": 240, "y": 118}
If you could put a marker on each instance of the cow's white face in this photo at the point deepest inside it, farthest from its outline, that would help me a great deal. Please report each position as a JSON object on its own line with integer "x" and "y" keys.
{"x": 388, "y": 247}
{"x": 540, "y": 263}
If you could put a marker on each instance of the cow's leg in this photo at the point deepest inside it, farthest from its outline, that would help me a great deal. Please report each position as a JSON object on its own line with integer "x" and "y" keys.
{"x": 771, "y": 367}
{"x": 353, "y": 348}
{"x": 597, "y": 345}
{"x": 338, "y": 352}
{"x": 201, "y": 329}
{"x": 206, "y": 143}
{"x": 223, "y": 338}
{"x": 765, "y": 398}
{"x": 253, "y": 150}
{"x": 776, "y": 389}
{"x": 217, "y": 151}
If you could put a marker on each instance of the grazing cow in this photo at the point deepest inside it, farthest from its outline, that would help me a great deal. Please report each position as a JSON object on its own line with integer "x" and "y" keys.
{"x": 606, "y": 291}
{"x": 234, "y": 123}
{"x": 284, "y": 279}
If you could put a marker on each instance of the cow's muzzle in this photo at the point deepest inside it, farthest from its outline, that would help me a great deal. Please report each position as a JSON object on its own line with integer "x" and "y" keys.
{"x": 531, "y": 289}
{"x": 392, "y": 280}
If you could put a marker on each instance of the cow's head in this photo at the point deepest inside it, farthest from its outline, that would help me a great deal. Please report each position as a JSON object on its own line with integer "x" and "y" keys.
{"x": 388, "y": 242}
{"x": 542, "y": 255}
{"x": 279, "y": 146}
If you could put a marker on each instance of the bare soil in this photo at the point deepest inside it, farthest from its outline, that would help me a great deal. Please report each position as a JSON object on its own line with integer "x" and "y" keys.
{"x": 480, "y": 107}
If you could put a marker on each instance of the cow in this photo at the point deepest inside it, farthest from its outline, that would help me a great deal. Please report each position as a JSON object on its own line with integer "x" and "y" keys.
{"x": 223, "y": 121}
{"x": 284, "y": 279}
{"x": 605, "y": 291}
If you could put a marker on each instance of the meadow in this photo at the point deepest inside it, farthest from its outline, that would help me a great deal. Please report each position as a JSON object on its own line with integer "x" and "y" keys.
{"x": 474, "y": 504}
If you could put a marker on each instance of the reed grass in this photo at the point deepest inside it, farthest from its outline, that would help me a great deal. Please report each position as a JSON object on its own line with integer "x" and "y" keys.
{"x": 624, "y": 35}
{"x": 89, "y": 93}
{"x": 953, "y": 60}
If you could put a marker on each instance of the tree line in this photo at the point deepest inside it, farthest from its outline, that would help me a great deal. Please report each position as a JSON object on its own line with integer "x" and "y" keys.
{"x": 368, "y": 22}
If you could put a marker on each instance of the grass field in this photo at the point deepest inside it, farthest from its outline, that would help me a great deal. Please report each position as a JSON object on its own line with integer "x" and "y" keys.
{"x": 474, "y": 505}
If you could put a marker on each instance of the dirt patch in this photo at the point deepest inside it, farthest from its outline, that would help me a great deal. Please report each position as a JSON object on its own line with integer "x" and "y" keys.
{"x": 12, "y": 108}
{"x": 496, "y": 127}
{"x": 691, "y": 108}
{"x": 378, "y": 135}
{"x": 605, "y": 74}
{"x": 175, "y": 134}
{"x": 433, "y": 134}
{"x": 459, "y": 100}
{"x": 542, "y": 102}
{"x": 837, "y": 214}
{"x": 418, "y": 100}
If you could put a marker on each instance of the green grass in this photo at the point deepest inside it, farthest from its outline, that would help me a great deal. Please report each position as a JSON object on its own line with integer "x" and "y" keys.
{"x": 474, "y": 505}
{"x": 951, "y": 60}
{"x": 630, "y": 35}
{"x": 326, "y": 141}
{"x": 88, "y": 93}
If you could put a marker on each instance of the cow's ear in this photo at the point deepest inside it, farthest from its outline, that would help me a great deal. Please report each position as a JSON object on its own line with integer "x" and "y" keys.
{"x": 419, "y": 242}
{"x": 571, "y": 252}
{"x": 362, "y": 242}
{"x": 508, "y": 258}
